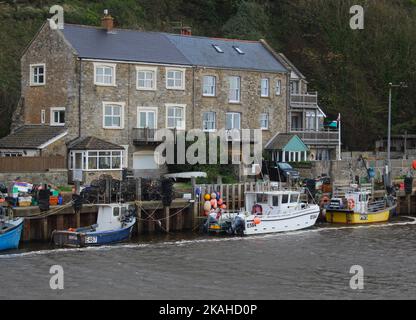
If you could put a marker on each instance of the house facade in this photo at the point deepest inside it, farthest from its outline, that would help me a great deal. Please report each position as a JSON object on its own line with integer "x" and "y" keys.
{"x": 306, "y": 118}
{"x": 108, "y": 89}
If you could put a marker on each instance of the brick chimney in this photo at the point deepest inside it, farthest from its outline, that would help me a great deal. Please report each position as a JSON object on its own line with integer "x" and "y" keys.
{"x": 186, "y": 31}
{"x": 107, "y": 21}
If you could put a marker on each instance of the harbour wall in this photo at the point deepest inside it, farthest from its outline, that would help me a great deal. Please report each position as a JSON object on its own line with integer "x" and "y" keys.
{"x": 343, "y": 171}
{"x": 54, "y": 177}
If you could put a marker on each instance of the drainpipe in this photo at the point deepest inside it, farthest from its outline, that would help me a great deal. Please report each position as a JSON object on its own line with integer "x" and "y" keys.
{"x": 79, "y": 97}
{"x": 193, "y": 97}
{"x": 288, "y": 101}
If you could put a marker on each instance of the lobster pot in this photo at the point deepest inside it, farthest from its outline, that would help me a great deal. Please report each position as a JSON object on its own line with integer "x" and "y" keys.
{"x": 408, "y": 185}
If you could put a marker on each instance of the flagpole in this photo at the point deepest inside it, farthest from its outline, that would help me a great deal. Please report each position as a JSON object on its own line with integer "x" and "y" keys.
{"x": 339, "y": 137}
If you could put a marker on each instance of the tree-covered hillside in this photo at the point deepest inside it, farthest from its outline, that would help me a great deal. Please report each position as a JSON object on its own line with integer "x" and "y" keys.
{"x": 351, "y": 69}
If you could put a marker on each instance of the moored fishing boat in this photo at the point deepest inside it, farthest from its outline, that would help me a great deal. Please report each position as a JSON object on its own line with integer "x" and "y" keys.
{"x": 10, "y": 231}
{"x": 360, "y": 206}
{"x": 266, "y": 212}
{"x": 114, "y": 224}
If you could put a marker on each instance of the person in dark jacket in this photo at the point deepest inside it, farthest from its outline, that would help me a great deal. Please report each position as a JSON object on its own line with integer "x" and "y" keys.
{"x": 43, "y": 197}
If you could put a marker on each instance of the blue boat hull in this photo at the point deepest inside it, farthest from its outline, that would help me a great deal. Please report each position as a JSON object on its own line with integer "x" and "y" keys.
{"x": 11, "y": 239}
{"x": 96, "y": 238}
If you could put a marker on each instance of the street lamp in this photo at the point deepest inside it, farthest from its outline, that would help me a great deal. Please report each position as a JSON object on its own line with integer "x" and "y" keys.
{"x": 391, "y": 86}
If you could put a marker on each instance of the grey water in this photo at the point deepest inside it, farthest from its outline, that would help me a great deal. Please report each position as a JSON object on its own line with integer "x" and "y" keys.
{"x": 307, "y": 264}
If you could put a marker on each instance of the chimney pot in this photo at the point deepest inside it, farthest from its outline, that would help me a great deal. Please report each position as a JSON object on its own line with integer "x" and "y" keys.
{"x": 186, "y": 31}
{"x": 107, "y": 21}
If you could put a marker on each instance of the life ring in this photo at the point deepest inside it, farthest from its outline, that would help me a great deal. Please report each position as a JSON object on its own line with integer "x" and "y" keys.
{"x": 324, "y": 200}
{"x": 351, "y": 204}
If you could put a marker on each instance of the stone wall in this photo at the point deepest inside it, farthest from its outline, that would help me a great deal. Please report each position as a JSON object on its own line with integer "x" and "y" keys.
{"x": 58, "y": 177}
{"x": 126, "y": 93}
{"x": 343, "y": 171}
{"x": 61, "y": 85}
{"x": 64, "y": 74}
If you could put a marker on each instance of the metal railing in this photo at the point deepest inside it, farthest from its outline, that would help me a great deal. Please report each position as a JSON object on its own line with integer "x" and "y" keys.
{"x": 144, "y": 135}
{"x": 317, "y": 136}
{"x": 304, "y": 99}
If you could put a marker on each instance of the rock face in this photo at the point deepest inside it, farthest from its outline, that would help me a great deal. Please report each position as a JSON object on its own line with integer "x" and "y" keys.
{"x": 70, "y": 84}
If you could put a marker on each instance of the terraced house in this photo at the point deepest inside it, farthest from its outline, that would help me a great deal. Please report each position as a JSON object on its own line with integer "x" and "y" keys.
{"x": 97, "y": 94}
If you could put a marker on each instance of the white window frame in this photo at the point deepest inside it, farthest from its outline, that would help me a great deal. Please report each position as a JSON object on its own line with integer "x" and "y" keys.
{"x": 43, "y": 116}
{"x": 213, "y": 86}
{"x": 215, "y": 121}
{"x": 261, "y": 119}
{"x": 278, "y": 87}
{"x": 182, "y": 86}
{"x": 52, "y": 117}
{"x": 265, "y": 86}
{"x": 237, "y": 89}
{"x": 121, "y": 105}
{"x": 233, "y": 116}
{"x": 105, "y": 65}
{"x": 32, "y": 73}
{"x": 177, "y": 105}
{"x": 146, "y": 69}
{"x": 86, "y": 156}
{"x": 125, "y": 156}
{"x": 146, "y": 109}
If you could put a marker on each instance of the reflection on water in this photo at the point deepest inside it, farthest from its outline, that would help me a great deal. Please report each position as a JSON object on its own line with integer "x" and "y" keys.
{"x": 313, "y": 263}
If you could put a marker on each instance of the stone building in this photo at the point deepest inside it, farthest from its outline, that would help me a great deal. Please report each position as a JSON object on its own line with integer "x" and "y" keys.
{"x": 108, "y": 90}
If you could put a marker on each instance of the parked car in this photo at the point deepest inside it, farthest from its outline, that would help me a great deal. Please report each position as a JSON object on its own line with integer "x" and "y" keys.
{"x": 286, "y": 171}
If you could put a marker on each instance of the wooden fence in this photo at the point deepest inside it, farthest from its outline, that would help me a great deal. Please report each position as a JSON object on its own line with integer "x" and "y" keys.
{"x": 31, "y": 164}
{"x": 232, "y": 194}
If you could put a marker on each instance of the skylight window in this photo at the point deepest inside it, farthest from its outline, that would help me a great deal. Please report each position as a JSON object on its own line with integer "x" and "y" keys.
{"x": 218, "y": 48}
{"x": 238, "y": 50}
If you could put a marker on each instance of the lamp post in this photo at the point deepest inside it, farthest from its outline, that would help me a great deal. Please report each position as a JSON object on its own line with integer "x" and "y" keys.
{"x": 391, "y": 86}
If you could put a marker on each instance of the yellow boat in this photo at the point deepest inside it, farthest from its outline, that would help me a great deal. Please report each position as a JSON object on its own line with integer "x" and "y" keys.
{"x": 359, "y": 207}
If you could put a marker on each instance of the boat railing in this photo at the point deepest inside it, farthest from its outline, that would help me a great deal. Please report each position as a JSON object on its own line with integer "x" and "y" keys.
{"x": 376, "y": 206}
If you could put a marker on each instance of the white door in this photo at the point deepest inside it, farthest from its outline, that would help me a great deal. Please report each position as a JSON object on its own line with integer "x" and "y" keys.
{"x": 144, "y": 162}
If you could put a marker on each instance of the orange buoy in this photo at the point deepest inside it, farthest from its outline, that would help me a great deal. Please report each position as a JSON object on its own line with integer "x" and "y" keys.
{"x": 414, "y": 164}
{"x": 207, "y": 197}
{"x": 257, "y": 220}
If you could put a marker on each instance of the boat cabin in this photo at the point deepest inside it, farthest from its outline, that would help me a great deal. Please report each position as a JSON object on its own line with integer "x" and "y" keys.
{"x": 273, "y": 202}
{"x": 111, "y": 216}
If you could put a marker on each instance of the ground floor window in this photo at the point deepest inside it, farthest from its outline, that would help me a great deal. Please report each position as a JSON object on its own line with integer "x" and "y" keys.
{"x": 96, "y": 160}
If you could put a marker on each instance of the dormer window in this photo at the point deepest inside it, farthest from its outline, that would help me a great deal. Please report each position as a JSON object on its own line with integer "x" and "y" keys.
{"x": 218, "y": 48}
{"x": 239, "y": 51}
{"x": 104, "y": 74}
{"x": 37, "y": 74}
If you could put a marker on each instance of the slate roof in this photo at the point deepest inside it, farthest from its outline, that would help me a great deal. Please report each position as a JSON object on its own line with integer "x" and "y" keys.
{"x": 158, "y": 47}
{"x": 93, "y": 143}
{"x": 280, "y": 141}
{"x": 30, "y": 137}
{"x": 200, "y": 51}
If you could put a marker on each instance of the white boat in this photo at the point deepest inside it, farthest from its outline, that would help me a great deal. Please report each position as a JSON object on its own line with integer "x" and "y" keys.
{"x": 266, "y": 212}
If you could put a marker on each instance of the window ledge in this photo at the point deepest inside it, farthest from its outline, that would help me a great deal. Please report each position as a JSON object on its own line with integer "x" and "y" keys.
{"x": 145, "y": 89}
{"x": 104, "y": 85}
{"x": 113, "y": 128}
